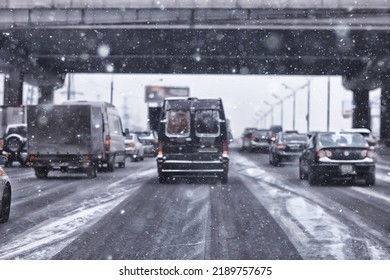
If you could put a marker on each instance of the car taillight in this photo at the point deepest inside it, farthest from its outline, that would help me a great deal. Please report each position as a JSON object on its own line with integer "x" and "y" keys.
{"x": 160, "y": 149}
{"x": 132, "y": 145}
{"x": 253, "y": 138}
{"x": 31, "y": 158}
{"x": 367, "y": 153}
{"x": 324, "y": 153}
{"x": 1, "y": 143}
{"x": 107, "y": 143}
{"x": 225, "y": 149}
{"x": 280, "y": 147}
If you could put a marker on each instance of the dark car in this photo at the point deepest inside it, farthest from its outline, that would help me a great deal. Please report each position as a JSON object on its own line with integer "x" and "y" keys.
{"x": 342, "y": 155}
{"x": 193, "y": 139}
{"x": 286, "y": 147}
{"x": 257, "y": 139}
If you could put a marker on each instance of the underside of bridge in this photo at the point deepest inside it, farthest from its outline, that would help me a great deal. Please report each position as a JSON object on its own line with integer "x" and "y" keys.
{"x": 42, "y": 55}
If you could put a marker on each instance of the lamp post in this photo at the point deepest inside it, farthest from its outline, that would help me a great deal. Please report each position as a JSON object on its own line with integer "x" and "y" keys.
{"x": 294, "y": 92}
{"x": 272, "y": 111}
{"x": 308, "y": 106}
{"x": 281, "y": 107}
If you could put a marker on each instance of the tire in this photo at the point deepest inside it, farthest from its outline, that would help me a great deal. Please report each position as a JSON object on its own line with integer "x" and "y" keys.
{"x": 111, "y": 165}
{"x": 13, "y": 144}
{"x": 91, "y": 172}
{"x": 162, "y": 178}
{"x": 312, "y": 178}
{"x": 370, "y": 179}
{"x": 302, "y": 175}
{"x": 5, "y": 204}
{"x": 41, "y": 172}
{"x": 224, "y": 178}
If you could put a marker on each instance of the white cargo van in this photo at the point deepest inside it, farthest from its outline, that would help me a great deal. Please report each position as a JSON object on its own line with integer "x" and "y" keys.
{"x": 75, "y": 136}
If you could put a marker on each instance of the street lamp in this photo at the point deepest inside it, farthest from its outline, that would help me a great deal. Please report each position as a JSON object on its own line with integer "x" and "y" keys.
{"x": 294, "y": 92}
{"x": 272, "y": 111}
{"x": 281, "y": 107}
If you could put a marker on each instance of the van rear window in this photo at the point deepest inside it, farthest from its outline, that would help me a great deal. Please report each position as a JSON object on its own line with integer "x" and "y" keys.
{"x": 207, "y": 123}
{"x": 178, "y": 123}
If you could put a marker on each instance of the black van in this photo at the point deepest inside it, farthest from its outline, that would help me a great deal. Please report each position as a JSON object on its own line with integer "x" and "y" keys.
{"x": 192, "y": 139}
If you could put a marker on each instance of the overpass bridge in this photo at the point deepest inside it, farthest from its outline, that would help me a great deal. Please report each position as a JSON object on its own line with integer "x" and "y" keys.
{"x": 42, "y": 40}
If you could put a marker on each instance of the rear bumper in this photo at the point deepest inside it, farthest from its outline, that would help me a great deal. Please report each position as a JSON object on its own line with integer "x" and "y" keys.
{"x": 336, "y": 169}
{"x": 62, "y": 163}
{"x": 202, "y": 168}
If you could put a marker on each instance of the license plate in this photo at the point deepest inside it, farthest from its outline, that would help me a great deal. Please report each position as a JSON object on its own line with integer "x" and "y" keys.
{"x": 346, "y": 169}
{"x": 208, "y": 150}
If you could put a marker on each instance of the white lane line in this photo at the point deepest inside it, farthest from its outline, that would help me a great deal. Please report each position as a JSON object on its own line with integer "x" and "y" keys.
{"x": 50, "y": 236}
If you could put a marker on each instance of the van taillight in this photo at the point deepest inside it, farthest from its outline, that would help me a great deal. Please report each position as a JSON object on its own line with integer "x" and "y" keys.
{"x": 160, "y": 149}
{"x": 225, "y": 151}
{"x": 107, "y": 143}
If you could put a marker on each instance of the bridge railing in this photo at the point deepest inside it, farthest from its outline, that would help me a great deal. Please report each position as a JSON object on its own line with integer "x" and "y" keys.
{"x": 189, "y": 4}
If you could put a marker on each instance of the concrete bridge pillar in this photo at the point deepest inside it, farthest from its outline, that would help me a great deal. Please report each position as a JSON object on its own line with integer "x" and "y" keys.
{"x": 361, "y": 114}
{"x": 46, "y": 94}
{"x": 385, "y": 111}
{"x": 13, "y": 88}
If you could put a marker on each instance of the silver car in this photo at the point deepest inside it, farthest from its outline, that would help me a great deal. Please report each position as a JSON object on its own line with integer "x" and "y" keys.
{"x": 5, "y": 193}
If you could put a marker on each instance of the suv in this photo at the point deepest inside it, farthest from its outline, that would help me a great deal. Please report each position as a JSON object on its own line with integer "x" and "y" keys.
{"x": 192, "y": 139}
{"x": 14, "y": 144}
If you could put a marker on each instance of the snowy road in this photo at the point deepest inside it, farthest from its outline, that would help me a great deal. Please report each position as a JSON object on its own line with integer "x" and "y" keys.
{"x": 264, "y": 212}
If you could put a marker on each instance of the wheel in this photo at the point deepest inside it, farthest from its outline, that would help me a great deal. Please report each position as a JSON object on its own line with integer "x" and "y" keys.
{"x": 274, "y": 160}
{"x": 302, "y": 174}
{"x": 162, "y": 178}
{"x": 13, "y": 144}
{"x": 312, "y": 178}
{"x": 41, "y": 172}
{"x": 111, "y": 165}
{"x": 370, "y": 179}
{"x": 5, "y": 204}
{"x": 224, "y": 178}
{"x": 91, "y": 172}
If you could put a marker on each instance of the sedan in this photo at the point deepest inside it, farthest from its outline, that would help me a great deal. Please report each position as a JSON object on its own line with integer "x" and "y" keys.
{"x": 337, "y": 155}
{"x": 133, "y": 147}
{"x": 5, "y": 192}
{"x": 287, "y": 146}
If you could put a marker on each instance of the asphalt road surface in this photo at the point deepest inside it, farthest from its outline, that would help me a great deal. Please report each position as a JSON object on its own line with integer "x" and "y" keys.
{"x": 264, "y": 212}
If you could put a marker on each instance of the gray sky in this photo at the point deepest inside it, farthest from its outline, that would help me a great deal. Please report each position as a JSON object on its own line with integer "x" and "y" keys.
{"x": 243, "y": 96}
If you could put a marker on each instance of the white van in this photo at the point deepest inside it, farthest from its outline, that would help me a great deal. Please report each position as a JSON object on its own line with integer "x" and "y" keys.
{"x": 76, "y": 136}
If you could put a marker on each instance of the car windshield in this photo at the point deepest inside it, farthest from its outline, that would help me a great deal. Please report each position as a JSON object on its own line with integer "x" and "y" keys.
{"x": 293, "y": 138}
{"x": 342, "y": 140}
{"x": 261, "y": 133}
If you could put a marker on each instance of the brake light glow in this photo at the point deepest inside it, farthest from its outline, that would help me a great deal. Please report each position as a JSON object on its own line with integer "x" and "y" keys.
{"x": 225, "y": 151}
{"x": 107, "y": 143}
{"x": 324, "y": 153}
{"x": 367, "y": 153}
{"x": 280, "y": 147}
{"x": 160, "y": 149}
